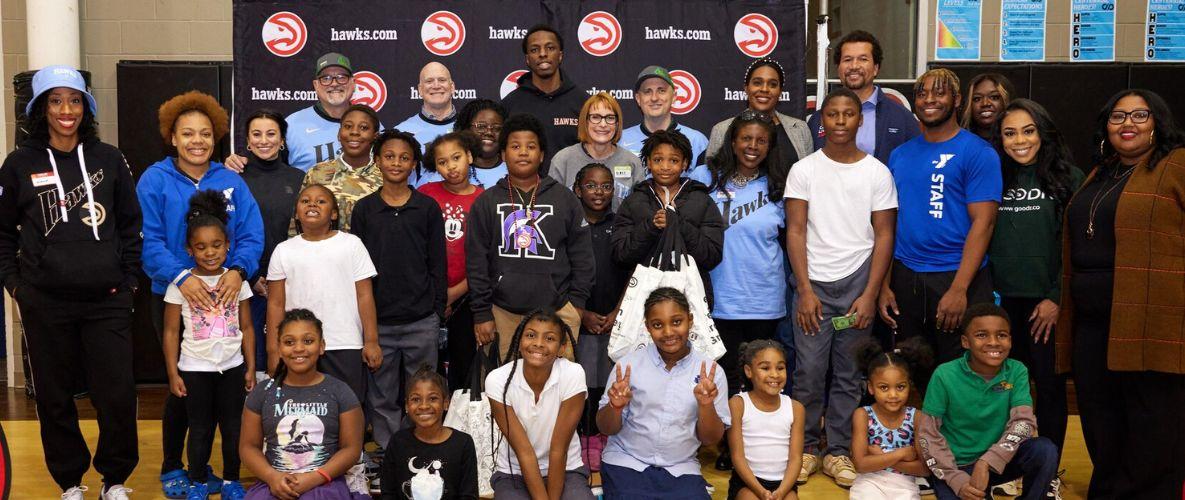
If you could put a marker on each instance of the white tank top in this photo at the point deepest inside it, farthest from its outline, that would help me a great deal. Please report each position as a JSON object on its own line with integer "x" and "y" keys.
{"x": 767, "y": 437}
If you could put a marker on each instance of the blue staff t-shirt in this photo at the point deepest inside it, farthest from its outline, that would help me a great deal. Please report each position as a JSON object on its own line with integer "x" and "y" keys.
{"x": 935, "y": 183}
{"x": 750, "y": 283}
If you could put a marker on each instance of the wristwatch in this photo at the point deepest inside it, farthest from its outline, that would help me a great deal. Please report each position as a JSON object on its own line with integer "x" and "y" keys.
{"x": 239, "y": 269}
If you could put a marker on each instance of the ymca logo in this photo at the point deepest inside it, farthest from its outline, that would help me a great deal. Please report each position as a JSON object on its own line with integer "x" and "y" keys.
{"x": 687, "y": 92}
{"x": 284, "y": 34}
{"x": 370, "y": 90}
{"x": 755, "y": 35}
{"x": 599, "y": 33}
{"x": 510, "y": 82}
{"x": 443, "y": 33}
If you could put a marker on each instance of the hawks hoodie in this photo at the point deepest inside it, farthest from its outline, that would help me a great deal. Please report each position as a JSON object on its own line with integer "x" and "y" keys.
{"x": 559, "y": 111}
{"x": 520, "y": 266}
{"x": 62, "y": 234}
{"x": 164, "y": 193}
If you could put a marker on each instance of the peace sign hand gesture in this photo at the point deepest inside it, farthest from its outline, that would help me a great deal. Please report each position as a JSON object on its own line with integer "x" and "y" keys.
{"x": 705, "y": 390}
{"x": 619, "y": 393}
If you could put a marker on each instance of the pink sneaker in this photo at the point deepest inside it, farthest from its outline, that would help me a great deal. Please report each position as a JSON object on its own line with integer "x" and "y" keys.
{"x": 596, "y": 446}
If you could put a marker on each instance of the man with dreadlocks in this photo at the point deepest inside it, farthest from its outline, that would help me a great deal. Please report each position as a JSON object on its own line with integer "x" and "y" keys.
{"x": 948, "y": 189}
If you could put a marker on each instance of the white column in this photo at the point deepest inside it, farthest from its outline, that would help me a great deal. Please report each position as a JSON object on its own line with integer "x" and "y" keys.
{"x": 52, "y": 33}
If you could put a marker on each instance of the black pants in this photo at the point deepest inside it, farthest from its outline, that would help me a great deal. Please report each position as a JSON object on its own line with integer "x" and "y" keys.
{"x": 734, "y": 332}
{"x": 918, "y": 295}
{"x": 1038, "y": 357}
{"x": 461, "y": 345}
{"x": 214, "y": 400}
{"x": 93, "y": 338}
{"x": 174, "y": 421}
{"x": 588, "y": 422}
{"x": 1131, "y": 421}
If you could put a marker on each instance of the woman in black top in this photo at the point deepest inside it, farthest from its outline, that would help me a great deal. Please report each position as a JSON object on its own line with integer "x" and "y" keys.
{"x": 275, "y": 186}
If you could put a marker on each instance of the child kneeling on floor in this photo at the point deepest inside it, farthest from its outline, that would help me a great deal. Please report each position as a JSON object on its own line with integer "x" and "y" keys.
{"x": 977, "y": 426}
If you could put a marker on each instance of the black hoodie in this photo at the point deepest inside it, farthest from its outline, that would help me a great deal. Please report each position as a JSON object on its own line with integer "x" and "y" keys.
{"x": 559, "y": 111}
{"x": 557, "y": 266}
{"x": 66, "y": 255}
{"x": 700, "y": 225}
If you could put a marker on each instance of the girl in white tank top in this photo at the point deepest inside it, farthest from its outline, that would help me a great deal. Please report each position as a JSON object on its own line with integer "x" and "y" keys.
{"x": 765, "y": 438}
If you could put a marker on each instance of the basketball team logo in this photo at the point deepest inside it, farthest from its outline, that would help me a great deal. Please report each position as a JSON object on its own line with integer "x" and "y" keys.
{"x": 599, "y": 33}
{"x": 510, "y": 82}
{"x": 284, "y": 34}
{"x": 370, "y": 90}
{"x": 443, "y": 33}
{"x": 687, "y": 92}
{"x": 755, "y": 35}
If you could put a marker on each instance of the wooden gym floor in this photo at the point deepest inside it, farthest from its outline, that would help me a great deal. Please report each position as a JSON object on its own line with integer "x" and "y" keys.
{"x": 32, "y": 480}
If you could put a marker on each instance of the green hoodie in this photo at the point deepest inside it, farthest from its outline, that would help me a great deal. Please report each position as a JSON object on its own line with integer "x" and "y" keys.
{"x": 1025, "y": 254}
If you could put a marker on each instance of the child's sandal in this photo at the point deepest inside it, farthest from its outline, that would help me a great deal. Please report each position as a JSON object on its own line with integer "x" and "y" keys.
{"x": 175, "y": 483}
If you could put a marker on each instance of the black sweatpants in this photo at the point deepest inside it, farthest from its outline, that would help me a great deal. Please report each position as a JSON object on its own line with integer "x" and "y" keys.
{"x": 214, "y": 400}
{"x": 733, "y": 333}
{"x": 1038, "y": 357}
{"x": 93, "y": 338}
{"x": 461, "y": 345}
{"x": 174, "y": 422}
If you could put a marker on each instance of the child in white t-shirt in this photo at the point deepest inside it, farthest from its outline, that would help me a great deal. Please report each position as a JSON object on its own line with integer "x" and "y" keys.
{"x": 327, "y": 272}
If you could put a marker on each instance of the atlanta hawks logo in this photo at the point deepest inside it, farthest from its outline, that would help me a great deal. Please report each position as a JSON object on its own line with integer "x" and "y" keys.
{"x": 510, "y": 82}
{"x": 370, "y": 90}
{"x": 599, "y": 33}
{"x": 443, "y": 33}
{"x": 755, "y": 35}
{"x": 284, "y": 34}
{"x": 687, "y": 92}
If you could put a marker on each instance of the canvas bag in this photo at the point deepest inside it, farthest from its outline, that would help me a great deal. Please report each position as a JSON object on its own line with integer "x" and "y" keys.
{"x": 469, "y": 412}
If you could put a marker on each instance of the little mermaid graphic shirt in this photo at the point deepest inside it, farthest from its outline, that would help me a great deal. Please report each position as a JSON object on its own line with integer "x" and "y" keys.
{"x": 300, "y": 424}
{"x": 211, "y": 340}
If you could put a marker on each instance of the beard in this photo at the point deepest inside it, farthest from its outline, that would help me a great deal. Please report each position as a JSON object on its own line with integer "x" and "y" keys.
{"x": 940, "y": 120}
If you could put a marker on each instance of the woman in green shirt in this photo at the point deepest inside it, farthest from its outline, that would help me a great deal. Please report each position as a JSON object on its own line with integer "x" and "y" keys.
{"x": 1025, "y": 254}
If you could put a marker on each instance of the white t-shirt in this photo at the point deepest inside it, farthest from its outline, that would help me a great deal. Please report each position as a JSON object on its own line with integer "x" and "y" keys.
{"x": 320, "y": 276}
{"x": 841, "y": 198}
{"x": 211, "y": 340}
{"x": 538, "y": 418}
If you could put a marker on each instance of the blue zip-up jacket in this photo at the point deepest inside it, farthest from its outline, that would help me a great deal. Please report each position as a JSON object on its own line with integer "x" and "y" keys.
{"x": 164, "y": 194}
{"x": 895, "y": 125}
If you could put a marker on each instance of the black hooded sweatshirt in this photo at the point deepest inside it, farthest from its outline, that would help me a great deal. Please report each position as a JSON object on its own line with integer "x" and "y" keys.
{"x": 635, "y": 235}
{"x": 559, "y": 111}
{"x": 520, "y": 266}
{"x": 87, "y": 251}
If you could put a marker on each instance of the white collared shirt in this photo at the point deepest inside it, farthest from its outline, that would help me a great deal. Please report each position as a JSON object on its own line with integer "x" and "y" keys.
{"x": 538, "y": 418}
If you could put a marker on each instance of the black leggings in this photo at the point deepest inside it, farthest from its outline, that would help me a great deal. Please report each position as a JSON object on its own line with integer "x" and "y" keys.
{"x": 1050, "y": 387}
{"x": 214, "y": 399}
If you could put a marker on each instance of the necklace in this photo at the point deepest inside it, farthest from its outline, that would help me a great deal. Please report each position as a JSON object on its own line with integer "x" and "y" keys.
{"x": 741, "y": 180}
{"x": 1098, "y": 200}
{"x": 522, "y": 237}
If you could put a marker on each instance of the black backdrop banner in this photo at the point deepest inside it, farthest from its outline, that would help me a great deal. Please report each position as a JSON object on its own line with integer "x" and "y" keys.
{"x": 706, "y": 44}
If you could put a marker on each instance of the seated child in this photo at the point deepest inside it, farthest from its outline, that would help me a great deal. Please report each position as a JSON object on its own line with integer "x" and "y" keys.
{"x": 767, "y": 428}
{"x": 429, "y": 460}
{"x": 977, "y": 426}
{"x": 657, "y": 419}
{"x": 883, "y": 448}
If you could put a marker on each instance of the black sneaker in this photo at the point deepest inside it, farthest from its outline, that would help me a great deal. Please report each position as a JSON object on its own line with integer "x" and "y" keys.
{"x": 924, "y": 487}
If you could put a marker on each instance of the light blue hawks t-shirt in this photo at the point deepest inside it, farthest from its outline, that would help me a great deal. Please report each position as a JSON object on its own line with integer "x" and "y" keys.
{"x": 750, "y": 283}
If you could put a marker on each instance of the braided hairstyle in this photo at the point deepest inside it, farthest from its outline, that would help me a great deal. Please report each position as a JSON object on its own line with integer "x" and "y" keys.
{"x": 206, "y": 209}
{"x": 911, "y": 355}
{"x": 749, "y": 351}
{"x": 580, "y": 174}
{"x": 723, "y": 165}
{"x": 426, "y": 374}
{"x": 290, "y": 317}
{"x": 664, "y": 294}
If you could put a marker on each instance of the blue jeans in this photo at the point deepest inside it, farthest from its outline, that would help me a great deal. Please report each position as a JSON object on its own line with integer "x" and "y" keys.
{"x": 654, "y": 483}
{"x": 1035, "y": 461}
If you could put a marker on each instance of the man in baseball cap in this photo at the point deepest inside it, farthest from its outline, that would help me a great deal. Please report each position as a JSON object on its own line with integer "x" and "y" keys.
{"x": 654, "y": 91}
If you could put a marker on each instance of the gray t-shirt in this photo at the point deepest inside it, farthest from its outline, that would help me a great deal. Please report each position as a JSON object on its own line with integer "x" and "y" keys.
{"x": 300, "y": 424}
{"x": 627, "y": 169}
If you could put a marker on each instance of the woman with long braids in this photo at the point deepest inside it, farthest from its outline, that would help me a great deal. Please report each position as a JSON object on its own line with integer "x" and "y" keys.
{"x": 537, "y": 399}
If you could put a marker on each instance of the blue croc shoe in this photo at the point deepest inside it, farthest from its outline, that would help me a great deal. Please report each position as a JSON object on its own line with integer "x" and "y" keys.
{"x": 198, "y": 491}
{"x": 213, "y": 483}
{"x": 233, "y": 490}
{"x": 175, "y": 483}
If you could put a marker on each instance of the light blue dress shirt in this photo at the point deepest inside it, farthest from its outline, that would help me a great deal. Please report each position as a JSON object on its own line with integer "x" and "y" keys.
{"x": 866, "y": 136}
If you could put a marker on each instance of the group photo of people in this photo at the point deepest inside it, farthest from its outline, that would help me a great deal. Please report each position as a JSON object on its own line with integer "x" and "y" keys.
{"x": 888, "y": 299}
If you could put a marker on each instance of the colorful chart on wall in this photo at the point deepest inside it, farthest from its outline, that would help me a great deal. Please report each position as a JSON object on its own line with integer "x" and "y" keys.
{"x": 1092, "y": 30}
{"x": 958, "y": 29}
{"x": 1164, "y": 31}
{"x": 1022, "y": 30}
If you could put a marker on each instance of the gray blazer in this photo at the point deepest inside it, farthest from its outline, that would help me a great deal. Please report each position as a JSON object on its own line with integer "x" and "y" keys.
{"x": 797, "y": 130}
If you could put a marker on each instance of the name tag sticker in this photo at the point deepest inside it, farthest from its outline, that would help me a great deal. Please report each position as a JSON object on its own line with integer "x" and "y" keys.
{"x": 623, "y": 171}
{"x": 44, "y": 179}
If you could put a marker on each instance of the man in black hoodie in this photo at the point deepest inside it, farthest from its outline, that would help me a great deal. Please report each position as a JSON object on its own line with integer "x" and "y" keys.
{"x": 546, "y": 92}
{"x": 527, "y": 245}
{"x": 69, "y": 253}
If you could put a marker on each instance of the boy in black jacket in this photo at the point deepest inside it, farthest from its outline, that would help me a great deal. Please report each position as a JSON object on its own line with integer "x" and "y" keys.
{"x": 527, "y": 246}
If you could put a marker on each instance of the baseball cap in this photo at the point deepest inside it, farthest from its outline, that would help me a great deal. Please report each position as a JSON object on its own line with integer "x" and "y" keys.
{"x": 52, "y": 77}
{"x": 653, "y": 72}
{"x": 332, "y": 59}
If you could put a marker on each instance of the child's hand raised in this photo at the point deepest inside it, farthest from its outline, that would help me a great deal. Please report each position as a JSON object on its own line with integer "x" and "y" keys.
{"x": 619, "y": 393}
{"x": 705, "y": 390}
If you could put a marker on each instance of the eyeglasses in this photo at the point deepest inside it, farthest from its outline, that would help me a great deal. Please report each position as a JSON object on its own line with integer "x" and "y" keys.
{"x": 604, "y": 188}
{"x": 340, "y": 79}
{"x": 750, "y": 115}
{"x": 483, "y": 127}
{"x": 1138, "y": 116}
{"x": 609, "y": 119}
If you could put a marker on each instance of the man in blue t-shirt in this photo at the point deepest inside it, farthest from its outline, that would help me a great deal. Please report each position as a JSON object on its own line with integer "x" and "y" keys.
{"x": 437, "y": 115}
{"x": 654, "y": 91}
{"x": 948, "y": 189}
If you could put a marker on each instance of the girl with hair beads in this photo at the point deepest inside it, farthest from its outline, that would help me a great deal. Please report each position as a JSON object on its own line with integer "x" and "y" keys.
{"x": 537, "y": 407}
{"x": 767, "y": 428}
{"x": 430, "y": 460}
{"x": 210, "y": 367}
{"x": 302, "y": 430}
{"x": 648, "y": 414}
{"x": 329, "y": 272}
{"x": 882, "y": 433}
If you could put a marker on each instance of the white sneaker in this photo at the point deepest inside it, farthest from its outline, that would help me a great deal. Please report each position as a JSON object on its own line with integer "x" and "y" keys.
{"x": 114, "y": 492}
{"x": 924, "y": 487}
{"x": 840, "y": 468}
{"x": 810, "y": 464}
{"x": 1011, "y": 488}
{"x": 74, "y": 493}
{"x": 1055, "y": 487}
